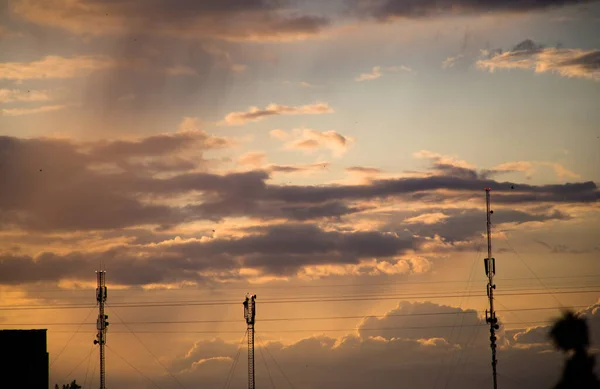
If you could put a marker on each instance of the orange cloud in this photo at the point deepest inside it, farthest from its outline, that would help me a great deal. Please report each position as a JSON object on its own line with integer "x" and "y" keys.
{"x": 30, "y": 111}
{"x": 378, "y": 71}
{"x": 256, "y": 159}
{"x": 256, "y": 114}
{"x": 55, "y": 67}
{"x": 16, "y": 95}
{"x": 311, "y": 140}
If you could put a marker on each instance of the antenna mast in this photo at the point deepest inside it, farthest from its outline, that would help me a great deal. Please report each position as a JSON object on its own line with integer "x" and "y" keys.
{"x": 490, "y": 271}
{"x": 101, "y": 324}
{"x": 249, "y": 315}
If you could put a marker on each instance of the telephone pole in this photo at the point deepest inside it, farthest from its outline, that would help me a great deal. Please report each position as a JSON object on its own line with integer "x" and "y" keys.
{"x": 490, "y": 271}
{"x": 101, "y": 324}
{"x": 249, "y": 315}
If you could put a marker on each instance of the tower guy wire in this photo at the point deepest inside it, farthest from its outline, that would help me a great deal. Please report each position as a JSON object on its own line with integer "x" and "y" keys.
{"x": 490, "y": 270}
{"x": 250, "y": 315}
{"x": 101, "y": 324}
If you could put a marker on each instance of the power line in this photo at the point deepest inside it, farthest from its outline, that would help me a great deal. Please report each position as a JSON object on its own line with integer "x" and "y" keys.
{"x": 293, "y": 318}
{"x": 323, "y": 330}
{"x": 234, "y": 362}
{"x": 147, "y": 349}
{"x": 72, "y": 336}
{"x": 505, "y": 236}
{"x": 285, "y": 301}
{"x": 133, "y": 367}
{"x": 79, "y": 364}
{"x": 275, "y": 361}
{"x": 262, "y": 356}
{"x": 292, "y": 287}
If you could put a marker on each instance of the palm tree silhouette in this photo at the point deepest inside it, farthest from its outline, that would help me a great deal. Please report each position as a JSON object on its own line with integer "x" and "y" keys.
{"x": 570, "y": 334}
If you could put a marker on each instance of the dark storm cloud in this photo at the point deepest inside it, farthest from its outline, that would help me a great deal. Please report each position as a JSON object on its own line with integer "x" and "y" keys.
{"x": 390, "y": 9}
{"x": 577, "y": 192}
{"x": 60, "y": 185}
{"x": 156, "y": 145}
{"x": 281, "y": 249}
{"x": 462, "y": 225}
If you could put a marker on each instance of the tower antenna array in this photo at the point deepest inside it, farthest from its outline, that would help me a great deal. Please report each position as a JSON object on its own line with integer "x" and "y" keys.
{"x": 249, "y": 315}
{"x": 101, "y": 324}
{"x": 490, "y": 271}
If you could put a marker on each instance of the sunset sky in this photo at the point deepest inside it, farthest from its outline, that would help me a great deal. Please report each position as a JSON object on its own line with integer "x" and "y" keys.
{"x": 328, "y": 155}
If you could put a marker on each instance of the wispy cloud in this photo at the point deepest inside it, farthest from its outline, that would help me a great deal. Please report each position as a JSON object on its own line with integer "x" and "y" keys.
{"x": 310, "y": 140}
{"x": 31, "y": 111}
{"x": 17, "y": 95}
{"x": 531, "y": 56}
{"x": 451, "y": 61}
{"x": 253, "y": 158}
{"x": 255, "y": 113}
{"x": 181, "y": 71}
{"x": 55, "y": 67}
{"x": 378, "y": 71}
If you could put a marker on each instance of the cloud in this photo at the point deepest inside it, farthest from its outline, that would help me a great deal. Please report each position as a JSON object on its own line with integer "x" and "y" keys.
{"x": 279, "y": 134}
{"x": 564, "y": 249}
{"x": 256, "y": 114}
{"x": 409, "y": 344}
{"x": 451, "y": 61}
{"x": 31, "y": 111}
{"x": 310, "y": 140}
{"x": 253, "y": 158}
{"x": 161, "y": 181}
{"x": 16, "y": 95}
{"x": 272, "y": 250}
{"x": 230, "y": 20}
{"x": 378, "y": 71}
{"x": 387, "y": 10}
{"x": 530, "y": 56}
{"x": 529, "y": 168}
{"x": 298, "y": 168}
{"x": 365, "y": 170}
{"x": 373, "y": 75}
{"x": 55, "y": 67}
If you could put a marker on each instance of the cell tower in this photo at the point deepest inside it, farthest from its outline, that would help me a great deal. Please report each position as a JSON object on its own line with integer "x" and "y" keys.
{"x": 490, "y": 271}
{"x": 101, "y": 324}
{"x": 249, "y": 315}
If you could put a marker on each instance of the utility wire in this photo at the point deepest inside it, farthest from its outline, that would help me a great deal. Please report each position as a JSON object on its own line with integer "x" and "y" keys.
{"x": 79, "y": 364}
{"x": 92, "y": 376}
{"x": 71, "y": 338}
{"x": 133, "y": 367}
{"x": 87, "y": 371}
{"x": 262, "y": 356}
{"x": 234, "y": 362}
{"x": 275, "y": 361}
{"x": 466, "y": 312}
{"x": 287, "y": 301}
{"x": 326, "y": 329}
{"x": 292, "y": 287}
{"x": 505, "y": 236}
{"x": 451, "y": 370}
{"x": 147, "y": 349}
